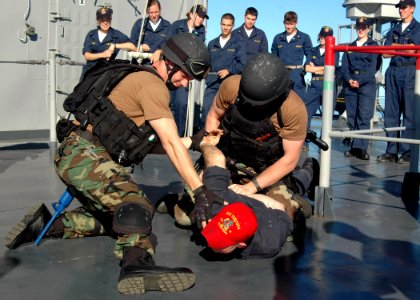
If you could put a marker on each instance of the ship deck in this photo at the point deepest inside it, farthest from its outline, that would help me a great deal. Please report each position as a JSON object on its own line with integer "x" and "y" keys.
{"x": 370, "y": 250}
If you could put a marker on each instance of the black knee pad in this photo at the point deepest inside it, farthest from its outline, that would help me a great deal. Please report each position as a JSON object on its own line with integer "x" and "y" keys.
{"x": 132, "y": 217}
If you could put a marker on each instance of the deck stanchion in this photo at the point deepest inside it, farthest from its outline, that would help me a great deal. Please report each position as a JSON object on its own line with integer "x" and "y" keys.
{"x": 411, "y": 183}
{"x": 323, "y": 192}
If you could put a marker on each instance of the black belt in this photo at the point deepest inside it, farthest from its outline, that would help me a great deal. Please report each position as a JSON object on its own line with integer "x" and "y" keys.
{"x": 357, "y": 72}
{"x": 293, "y": 67}
{"x": 317, "y": 78}
{"x": 87, "y": 135}
{"x": 402, "y": 64}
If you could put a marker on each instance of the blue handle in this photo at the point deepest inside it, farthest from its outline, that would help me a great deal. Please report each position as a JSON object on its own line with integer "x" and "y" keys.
{"x": 59, "y": 207}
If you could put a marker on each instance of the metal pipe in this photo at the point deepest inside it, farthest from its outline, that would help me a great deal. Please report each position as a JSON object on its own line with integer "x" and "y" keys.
{"x": 70, "y": 63}
{"x": 139, "y": 55}
{"x": 327, "y": 111}
{"x": 142, "y": 26}
{"x": 26, "y": 62}
{"x": 373, "y": 137}
{"x": 391, "y": 50}
{"x": 414, "y": 149}
{"x": 379, "y": 130}
{"x": 52, "y": 96}
{"x": 190, "y": 108}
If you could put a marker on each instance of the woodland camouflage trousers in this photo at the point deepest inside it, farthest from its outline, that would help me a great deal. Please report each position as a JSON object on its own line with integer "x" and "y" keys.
{"x": 100, "y": 185}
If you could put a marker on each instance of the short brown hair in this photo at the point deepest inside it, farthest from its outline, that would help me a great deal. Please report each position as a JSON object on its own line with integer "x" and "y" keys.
{"x": 228, "y": 16}
{"x": 153, "y": 2}
{"x": 290, "y": 16}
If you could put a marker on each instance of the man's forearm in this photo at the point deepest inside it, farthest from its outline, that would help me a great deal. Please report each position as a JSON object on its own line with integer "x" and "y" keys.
{"x": 212, "y": 156}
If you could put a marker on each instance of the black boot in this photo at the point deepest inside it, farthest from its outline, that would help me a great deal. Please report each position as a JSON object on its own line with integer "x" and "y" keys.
{"x": 302, "y": 205}
{"x": 299, "y": 228}
{"x": 139, "y": 274}
{"x": 312, "y": 166}
{"x": 28, "y": 229}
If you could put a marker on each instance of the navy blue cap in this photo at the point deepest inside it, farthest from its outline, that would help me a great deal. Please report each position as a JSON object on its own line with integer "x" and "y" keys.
{"x": 104, "y": 13}
{"x": 326, "y": 31}
{"x": 406, "y": 3}
{"x": 201, "y": 11}
{"x": 363, "y": 22}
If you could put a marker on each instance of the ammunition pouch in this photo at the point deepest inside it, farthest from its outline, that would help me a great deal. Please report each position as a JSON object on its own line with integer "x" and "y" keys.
{"x": 125, "y": 142}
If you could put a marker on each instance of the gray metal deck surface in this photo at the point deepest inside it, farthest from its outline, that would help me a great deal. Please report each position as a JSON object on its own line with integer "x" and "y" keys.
{"x": 371, "y": 250}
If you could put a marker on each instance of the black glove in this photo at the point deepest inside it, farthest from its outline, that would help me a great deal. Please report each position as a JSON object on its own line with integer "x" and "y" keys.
{"x": 204, "y": 200}
{"x": 197, "y": 138}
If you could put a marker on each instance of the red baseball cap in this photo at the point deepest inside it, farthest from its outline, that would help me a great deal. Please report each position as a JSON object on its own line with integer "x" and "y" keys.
{"x": 235, "y": 223}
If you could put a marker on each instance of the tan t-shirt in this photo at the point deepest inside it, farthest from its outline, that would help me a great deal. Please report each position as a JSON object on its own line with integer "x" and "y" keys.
{"x": 293, "y": 111}
{"x": 142, "y": 96}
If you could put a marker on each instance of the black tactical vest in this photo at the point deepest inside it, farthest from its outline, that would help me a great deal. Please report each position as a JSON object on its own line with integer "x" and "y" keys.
{"x": 125, "y": 142}
{"x": 256, "y": 144}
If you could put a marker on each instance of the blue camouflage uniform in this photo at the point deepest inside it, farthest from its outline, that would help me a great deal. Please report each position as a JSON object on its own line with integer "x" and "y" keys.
{"x": 399, "y": 87}
{"x": 153, "y": 38}
{"x": 292, "y": 54}
{"x": 230, "y": 57}
{"x": 360, "y": 102}
{"x": 179, "y": 97}
{"x": 255, "y": 43}
{"x": 93, "y": 45}
{"x": 313, "y": 95}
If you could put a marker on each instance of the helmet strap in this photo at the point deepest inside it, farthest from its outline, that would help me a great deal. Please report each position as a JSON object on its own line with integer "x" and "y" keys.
{"x": 171, "y": 72}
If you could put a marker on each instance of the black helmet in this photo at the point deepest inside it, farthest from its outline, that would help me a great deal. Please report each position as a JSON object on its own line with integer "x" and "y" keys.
{"x": 264, "y": 85}
{"x": 189, "y": 53}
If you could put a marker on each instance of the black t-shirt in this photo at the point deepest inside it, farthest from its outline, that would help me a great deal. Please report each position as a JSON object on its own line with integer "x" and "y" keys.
{"x": 273, "y": 225}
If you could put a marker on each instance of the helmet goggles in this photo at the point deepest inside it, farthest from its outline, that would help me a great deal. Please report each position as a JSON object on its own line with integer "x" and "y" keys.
{"x": 195, "y": 68}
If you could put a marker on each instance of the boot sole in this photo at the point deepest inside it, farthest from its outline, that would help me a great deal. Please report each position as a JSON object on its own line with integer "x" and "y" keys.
{"x": 12, "y": 239}
{"x": 181, "y": 217}
{"x": 166, "y": 282}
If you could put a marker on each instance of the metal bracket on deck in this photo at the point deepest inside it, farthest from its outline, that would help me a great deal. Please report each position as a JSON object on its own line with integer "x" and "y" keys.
{"x": 56, "y": 16}
{"x": 323, "y": 202}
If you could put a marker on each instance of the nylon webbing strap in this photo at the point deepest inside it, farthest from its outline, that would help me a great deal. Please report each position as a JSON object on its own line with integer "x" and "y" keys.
{"x": 177, "y": 50}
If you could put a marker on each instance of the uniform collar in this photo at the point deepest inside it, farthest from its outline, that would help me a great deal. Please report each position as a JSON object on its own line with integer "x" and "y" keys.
{"x": 243, "y": 31}
{"x": 410, "y": 26}
{"x": 297, "y": 35}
